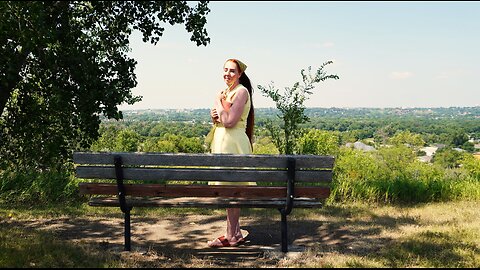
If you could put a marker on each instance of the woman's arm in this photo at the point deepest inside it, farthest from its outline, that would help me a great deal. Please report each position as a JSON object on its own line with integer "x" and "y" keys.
{"x": 229, "y": 118}
{"x": 225, "y": 104}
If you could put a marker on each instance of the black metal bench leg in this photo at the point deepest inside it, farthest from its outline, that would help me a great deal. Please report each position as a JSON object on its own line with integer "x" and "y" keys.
{"x": 122, "y": 201}
{"x": 284, "y": 231}
{"x": 127, "y": 230}
{"x": 288, "y": 203}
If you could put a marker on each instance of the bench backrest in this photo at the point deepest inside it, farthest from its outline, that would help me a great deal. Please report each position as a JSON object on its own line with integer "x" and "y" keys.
{"x": 310, "y": 170}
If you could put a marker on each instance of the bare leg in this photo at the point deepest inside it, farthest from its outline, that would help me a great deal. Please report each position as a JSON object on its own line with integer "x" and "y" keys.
{"x": 233, "y": 225}
{"x": 233, "y": 234}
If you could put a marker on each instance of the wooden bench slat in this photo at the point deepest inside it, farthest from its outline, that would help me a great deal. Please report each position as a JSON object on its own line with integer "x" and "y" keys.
{"x": 324, "y": 176}
{"x": 187, "y": 202}
{"x": 157, "y": 174}
{"x": 157, "y": 190}
{"x": 221, "y": 160}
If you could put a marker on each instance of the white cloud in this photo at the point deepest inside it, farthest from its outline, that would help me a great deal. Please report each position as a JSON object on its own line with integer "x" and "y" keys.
{"x": 317, "y": 45}
{"x": 328, "y": 44}
{"x": 455, "y": 73}
{"x": 400, "y": 75}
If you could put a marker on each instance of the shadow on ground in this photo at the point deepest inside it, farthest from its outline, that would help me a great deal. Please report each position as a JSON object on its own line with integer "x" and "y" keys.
{"x": 182, "y": 239}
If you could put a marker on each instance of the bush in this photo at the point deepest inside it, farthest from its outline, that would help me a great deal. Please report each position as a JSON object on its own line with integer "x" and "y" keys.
{"x": 33, "y": 187}
{"x": 393, "y": 175}
{"x": 354, "y": 172}
{"x": 319, "y": 142}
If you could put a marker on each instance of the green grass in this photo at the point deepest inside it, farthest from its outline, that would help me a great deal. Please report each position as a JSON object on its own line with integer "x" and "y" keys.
{"x": 434, "y": 248}
{"x": 22, "y": 248}
{"x": 433, "y": 235}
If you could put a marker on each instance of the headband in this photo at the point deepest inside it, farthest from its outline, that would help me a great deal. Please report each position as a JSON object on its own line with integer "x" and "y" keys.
{"x": 241, "y": 65}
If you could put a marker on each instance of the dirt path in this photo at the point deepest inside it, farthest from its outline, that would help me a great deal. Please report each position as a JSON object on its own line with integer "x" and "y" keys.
{"x": 341, "y": 235}
{"x": 180, "y": 240}
{"x": 185, "y": 236}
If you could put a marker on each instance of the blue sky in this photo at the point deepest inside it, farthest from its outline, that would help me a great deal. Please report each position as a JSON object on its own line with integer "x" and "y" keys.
{"x": 387, "y": 54}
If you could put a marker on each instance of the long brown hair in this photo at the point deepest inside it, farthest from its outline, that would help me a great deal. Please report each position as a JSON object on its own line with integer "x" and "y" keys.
{"x": 245, "y": 81}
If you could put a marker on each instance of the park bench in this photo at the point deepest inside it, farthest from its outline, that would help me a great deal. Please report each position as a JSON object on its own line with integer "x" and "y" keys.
{"x": 128, "y": 180}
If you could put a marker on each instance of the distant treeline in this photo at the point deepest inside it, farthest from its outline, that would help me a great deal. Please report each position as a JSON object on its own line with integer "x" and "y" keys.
{"x": 203, "y": 114}
{"x": 435, "y": 125}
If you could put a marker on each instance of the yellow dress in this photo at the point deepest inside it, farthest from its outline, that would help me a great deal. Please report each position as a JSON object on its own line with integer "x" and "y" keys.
{"x": 232, "y": 140}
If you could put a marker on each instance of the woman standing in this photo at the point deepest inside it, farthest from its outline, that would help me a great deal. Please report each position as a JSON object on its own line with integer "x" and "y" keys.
{"x": 233, "y": 115}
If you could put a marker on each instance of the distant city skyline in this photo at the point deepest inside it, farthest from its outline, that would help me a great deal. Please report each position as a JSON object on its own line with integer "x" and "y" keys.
{"x": 387, "y": 54}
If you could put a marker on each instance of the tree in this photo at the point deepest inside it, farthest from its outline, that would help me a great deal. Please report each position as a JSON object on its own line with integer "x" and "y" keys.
{"x": 319, "y": 142}
{"x": 190, "y": 145}
{"x": 448, "y": 158}
{"x": 397, "y": 158}
{"x": 382, "y": 134}
{"x": 63, "y": 64}
{"x": 472, "y": 166}
{"x": 264, "y": 145}
{"x": 291, "y": 107}
{"x": 458, "y": 138}
{"x": 127, "y": 140}
{"x": 159, "y": 145}
{"x": 407, "y": 138}
{"x": 107, "y": 139}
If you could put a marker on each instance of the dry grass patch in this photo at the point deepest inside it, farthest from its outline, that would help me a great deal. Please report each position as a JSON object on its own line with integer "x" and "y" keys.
{"x": 349, "y": 235}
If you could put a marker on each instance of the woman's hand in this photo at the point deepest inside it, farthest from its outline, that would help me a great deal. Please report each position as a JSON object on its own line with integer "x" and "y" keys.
{"x": 221, "y": 95}
{"x": 229, "y": 117}
{"x": 214, "y": 115}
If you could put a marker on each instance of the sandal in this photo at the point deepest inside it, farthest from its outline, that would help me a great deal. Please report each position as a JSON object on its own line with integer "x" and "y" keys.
{"x": 240, "y": 241}
{"x": 223, "y": 242}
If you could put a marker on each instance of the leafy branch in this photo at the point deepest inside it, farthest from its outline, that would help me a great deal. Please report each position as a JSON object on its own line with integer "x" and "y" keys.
{"x": 290, "y": 103}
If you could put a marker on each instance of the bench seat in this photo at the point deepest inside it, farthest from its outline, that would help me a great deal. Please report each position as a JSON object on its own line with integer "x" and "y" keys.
{"x": 202, "y": 202}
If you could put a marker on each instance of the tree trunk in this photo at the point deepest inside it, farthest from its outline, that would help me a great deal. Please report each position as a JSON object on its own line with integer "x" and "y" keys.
{"x": 11, "y": 79}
